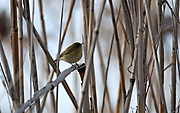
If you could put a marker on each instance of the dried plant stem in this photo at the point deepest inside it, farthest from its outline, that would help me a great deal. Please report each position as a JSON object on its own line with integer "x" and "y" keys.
{"x": 174, "y": 52}
{"x": 43, "y": 30}
{"x": 173, "y": 13}
{"x": 85, "y": 29}
{"x": 118, "y": 51}
{"x": 45, "y": 96}
{"x": 105, "y": 79}
{"x": 10, "y": 84}
{"x": 87, "y": 71}
{"x": 33, "y": 61}
{"x": 68, "y": 21}
{"x": 132, "y": 80}
{"x": 161, "y": 48}
{"x": 92, "y": 75}
{"x": 141, "y": 77}
{"x": 5, "y": 84}
{"x": 128, "y": 25}
{"x": 20, "y": 36}
{"x": 14, "y": 36}
{"x": 155, "y": 55}
{"x": 58, "y": 58}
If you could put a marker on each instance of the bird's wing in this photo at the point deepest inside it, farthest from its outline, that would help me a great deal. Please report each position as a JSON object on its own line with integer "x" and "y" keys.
{"x": 67, "y": 51}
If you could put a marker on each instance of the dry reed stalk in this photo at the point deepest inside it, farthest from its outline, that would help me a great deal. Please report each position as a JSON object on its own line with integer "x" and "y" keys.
{"x": 43, "y": 33}
{"x": 128, "y": 25}
{"x": 85, "y": 29}
{"x": 45, "y": 96}
{"x": 121, "y": 67}
{"x": 132, "y": 79}
{"x": 52, "y": 97}
{"x": 33, "y": 75}
{"x": 105, "y": 91}
{"x": 141, "y": 77}
{"x": 68, "y": 21}
{"x": 91, "y": 51}
{"x": 155, "y": 54}
{"x": 173, "y": 13}
{"x": 58, "y": 58}
{"x": 87, "y": 37}
{"x": 161, "y": 48}
{"x": 103, "y": 77}
{"x": 174, "y": 52}
{"x": 14, "y": 36}
{"x": 5, "y": 84}
{"x": 20, "y": 36}
{"x": 92, "y": 74}
{"x": 10, "y": 84}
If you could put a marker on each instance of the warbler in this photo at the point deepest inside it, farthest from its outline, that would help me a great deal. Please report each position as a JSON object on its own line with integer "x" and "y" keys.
{"x": 73, "y": 53}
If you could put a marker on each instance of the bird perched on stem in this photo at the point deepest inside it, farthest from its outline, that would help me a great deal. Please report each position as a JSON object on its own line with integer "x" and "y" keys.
{"x": 73, "y": 53}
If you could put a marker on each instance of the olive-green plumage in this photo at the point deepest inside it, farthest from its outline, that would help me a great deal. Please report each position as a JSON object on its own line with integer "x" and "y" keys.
{"x": 73, "y": 53}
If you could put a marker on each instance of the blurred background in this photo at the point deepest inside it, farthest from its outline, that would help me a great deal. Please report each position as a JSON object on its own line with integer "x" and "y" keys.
{"x": 52, "y": 15}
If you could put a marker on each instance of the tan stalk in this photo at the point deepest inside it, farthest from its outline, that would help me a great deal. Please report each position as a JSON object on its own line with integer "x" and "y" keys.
{"x": 103, "y": 79}
{"x": 68, "y": 21}
{"x": 121, "y": 68}
{"x": 14, "y": 36}
{"x": 85, "y": 29}
{"x": 105, "y": 73}
{"x": 174, "y": 52}
{"x": 128, "y": 25}
{"x": 155, "y": 55}
{"x": 88, "y": 64}
{"x": 92, "y": 74}
{"x": 10, "y": 84}
{"x": 20, "y": 36}
{"x": 161, "y": 48}
{"x": 33, "y": 74}
{"x": 141, "y": 76}
{"x": 43, "y": 33}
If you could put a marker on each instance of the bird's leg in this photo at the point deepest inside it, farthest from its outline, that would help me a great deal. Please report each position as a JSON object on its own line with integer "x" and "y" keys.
{"x": 77, "y": 64}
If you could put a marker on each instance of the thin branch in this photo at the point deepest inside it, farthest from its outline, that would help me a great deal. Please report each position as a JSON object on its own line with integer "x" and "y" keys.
{"x": 49, "y": 86}
{"x": 11, "y": 86}
{"x": 106, "y": 73}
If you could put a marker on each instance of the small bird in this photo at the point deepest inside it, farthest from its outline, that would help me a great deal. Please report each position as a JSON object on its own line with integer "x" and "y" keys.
{"x": 73, "y": 53}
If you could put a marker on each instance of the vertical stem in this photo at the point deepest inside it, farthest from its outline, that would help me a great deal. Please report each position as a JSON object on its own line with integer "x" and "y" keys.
{"x": 141, "y": 104}
{"x": 174, "y": 52}
{"x": 30, "y": 29}
{"x": 86, "y": 76}
{"x": 11, "y": 86}
{"x": 14, "y": 36}
{"x": 43, "y": 30}
{"x": 161, "y": 48}
{"x": 92, "y": 74}
{"x": 151, "y": 35}
{"x": 33, "y": 61}
{"x": 20, "y": 30}
{"x": 128, "y": 25}
{"x": 85, "y": 29}
{"x": 118, "y": 51}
